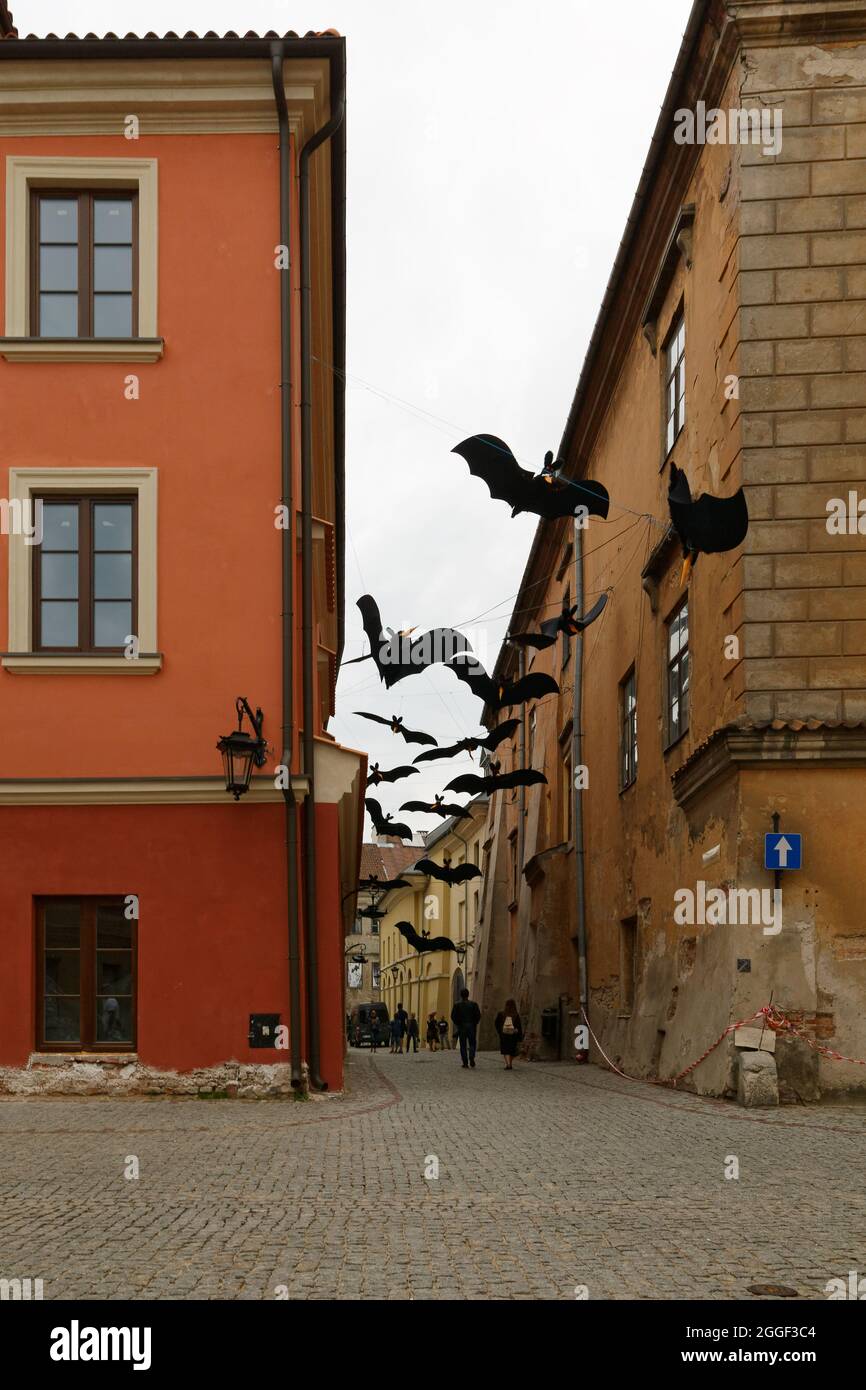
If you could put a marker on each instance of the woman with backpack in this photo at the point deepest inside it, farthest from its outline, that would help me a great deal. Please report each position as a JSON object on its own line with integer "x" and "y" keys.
{"x": 510, "y": 1030}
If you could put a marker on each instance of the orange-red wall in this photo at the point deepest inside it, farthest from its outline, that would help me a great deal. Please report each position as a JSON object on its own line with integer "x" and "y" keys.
{"x": 208, "y": 418}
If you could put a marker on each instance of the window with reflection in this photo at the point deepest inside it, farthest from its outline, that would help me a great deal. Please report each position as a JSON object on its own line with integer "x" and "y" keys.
{"x": 675, "y": 381}
{"x": 84, "y": 574}
{"x": 86, "y": 975}
{"x": 678, "y": 672}
{"x": 84, "y": 250}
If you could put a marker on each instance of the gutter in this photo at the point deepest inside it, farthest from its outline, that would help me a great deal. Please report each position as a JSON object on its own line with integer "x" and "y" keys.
{"x": 324, "y": 133}
{"x": 576, "y": 762}
{"x": 288, "y": 566}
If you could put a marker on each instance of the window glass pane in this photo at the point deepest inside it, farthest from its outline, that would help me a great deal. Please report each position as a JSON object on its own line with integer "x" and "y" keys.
{"x": 112, "y": 267}
{"x": 112, "y": 576}
{"x": 58, "y": 219}
{"x": 112, "y": 219}
{"x": 113, "y": 972}
{"x": 59, "y": 526}
{"x": 684, "y": 624}
{"x": 113, "y": 1019}
{"x": 62, "y": 1019}
{"x": 112, "y": 928}
{"x": 58, "y": 315}
{"x": 112, "y": 315}
{"x": 62, "y": 972}
{"x": 112, "y": 624}
{"x": 59, "y": 624}
{"x": 58, "y": 268}
{"x": 112, "y": 526}
{"x": 62, "y": 921}
{"x": 60, "y": 576}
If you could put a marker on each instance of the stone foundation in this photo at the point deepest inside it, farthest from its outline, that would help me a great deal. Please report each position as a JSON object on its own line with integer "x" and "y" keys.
{"x": 70, "y": 1074}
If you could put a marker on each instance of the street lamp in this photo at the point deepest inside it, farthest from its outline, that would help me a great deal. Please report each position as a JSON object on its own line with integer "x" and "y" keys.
{"x": 241, "y": 750}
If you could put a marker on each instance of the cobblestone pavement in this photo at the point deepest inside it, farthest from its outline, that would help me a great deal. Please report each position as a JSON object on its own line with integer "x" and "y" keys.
{"x": 549, "y": 1178}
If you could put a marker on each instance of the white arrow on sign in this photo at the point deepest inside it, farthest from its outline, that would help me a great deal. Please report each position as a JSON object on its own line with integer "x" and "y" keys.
{"x": 783, "y": 849}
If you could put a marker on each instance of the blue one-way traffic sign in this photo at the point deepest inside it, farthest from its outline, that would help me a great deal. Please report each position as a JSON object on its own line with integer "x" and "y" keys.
{"x": 783, "y": 851}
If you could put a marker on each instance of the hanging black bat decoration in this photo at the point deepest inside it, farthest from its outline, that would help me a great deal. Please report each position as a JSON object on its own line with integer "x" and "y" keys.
{"x": 567, "y": 622}
{"x": 374, "y": 884}
{"x": 461, "y": 874}
{"x": 495, "y": 781}
{"x": 500, "y": 694}
{"x": 382, "y": 824}
{"x": 436, "y": 807}
{"x": 375, "y": 775}
{"x": 424, "y": 943}
{"x": 396, "y": 655}
{"x": 396, "y": 726}
{"x": 707, "y": 523}
{"x": 469, "y": 745}
{"x": 547, "y": 494}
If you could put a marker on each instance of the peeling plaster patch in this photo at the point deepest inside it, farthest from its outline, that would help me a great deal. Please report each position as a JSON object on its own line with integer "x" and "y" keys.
{"x": 839, "y": 65}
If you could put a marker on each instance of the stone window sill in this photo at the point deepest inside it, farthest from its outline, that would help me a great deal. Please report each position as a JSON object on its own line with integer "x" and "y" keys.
{"x": 56, "y": 664}
{"x": 81, "y": 349}
{"x": 62, "y": 1059}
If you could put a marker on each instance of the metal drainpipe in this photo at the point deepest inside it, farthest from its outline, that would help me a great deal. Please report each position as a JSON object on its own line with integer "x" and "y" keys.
{"x": 288, "y": 596}
{"x": 521, "y": 798}
{"x": 576, "y": 762}
{"x": 338, "y": 103}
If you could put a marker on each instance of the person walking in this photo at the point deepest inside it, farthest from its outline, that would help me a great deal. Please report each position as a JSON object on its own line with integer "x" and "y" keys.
{"x": 432, "y": 1032}
{"x": 465, "y": 1017}
{"x": 443, "y": 1033}
{"x": 396, "y": 1037}
{"x": 403, "y": 1020}
{"x": 412, "y": 1033}
{"x": 510, "y": 1029}
{"x": 375, "y": 1038}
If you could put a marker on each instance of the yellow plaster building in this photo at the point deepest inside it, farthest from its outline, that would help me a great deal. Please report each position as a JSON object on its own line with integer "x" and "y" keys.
{"x": 431, "y": 981}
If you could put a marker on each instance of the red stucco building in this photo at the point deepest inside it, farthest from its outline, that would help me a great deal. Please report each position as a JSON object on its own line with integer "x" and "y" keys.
{"x": 171, "y": 538}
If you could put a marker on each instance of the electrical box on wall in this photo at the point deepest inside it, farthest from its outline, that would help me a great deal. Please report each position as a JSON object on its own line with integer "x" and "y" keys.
{"x": 263, "y": 1030}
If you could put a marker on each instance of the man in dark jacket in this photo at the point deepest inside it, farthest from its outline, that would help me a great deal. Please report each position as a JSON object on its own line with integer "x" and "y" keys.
{"x": 402, "y": 1019}
{"x": 466, "y": 1016}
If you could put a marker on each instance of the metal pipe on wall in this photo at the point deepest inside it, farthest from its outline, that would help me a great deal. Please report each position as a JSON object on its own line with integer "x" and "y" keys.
{"x": 288, "y": 573}
{"x": 317, "y": 139}
{"x": 576, "y": 763}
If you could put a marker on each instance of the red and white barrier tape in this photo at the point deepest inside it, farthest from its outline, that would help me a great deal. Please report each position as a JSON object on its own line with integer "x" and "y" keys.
{"x": 773, "y": 1018}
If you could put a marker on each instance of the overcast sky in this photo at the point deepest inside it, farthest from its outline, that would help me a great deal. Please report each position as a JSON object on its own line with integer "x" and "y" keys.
{"x": 494, "y": 149}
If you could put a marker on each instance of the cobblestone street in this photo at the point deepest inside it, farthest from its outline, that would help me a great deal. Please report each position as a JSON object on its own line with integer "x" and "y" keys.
{"x": 549, "y": 1178}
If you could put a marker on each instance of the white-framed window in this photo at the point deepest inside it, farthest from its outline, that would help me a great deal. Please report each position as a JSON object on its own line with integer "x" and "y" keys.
{"x": 25, "y": 485}
{"x": 26, "y": 175}
{"x": 675, "y": 380}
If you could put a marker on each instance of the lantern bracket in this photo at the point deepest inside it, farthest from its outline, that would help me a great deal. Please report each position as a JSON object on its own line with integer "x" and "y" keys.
{"x": 257, "y": 720}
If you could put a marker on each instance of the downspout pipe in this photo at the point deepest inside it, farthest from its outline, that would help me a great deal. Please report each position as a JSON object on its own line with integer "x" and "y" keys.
{"x": 577, "y": 762}
{"x": 319, "y": 137}
{"x": 288, "y": 571}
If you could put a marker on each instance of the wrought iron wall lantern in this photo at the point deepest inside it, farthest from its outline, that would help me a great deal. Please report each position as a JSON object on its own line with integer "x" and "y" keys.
{"x": 240, "y": 750}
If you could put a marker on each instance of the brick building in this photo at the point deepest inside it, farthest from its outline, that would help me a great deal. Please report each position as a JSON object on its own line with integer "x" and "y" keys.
{"x": 732, "y": 341}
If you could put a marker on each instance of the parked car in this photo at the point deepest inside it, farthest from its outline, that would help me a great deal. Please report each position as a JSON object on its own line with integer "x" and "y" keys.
{"x": 359, "y": 1024}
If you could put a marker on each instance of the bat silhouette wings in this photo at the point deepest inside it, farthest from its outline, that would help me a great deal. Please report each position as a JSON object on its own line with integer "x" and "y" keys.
{"x": 500, "y": 694}
{"x": 496, "y": 781}
{"x": 374, "y": 884}
{"x": 396, "y": 726}
{"x": 566, "y": 622}
{"x": 546, "y": 494}
{"x": 436, "y": 807}
{"x": 707, "y": 523}
{"x": 375, "y": 774}
{"x": 384, "y": 825}
{"x": 461, "y": 874}
{"x": 469, "y": 745}
{"x": 424, "y": 943}
{"x": 396, "y": 654}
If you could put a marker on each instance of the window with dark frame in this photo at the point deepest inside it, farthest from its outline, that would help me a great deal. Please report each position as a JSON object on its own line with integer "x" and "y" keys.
{"x": 85, "y": 574}
{"x": 86, "y": 975}
{"x": 628, "y": 730}
{"x": 564, "y": 639}
{"x": 84, "y": 263}
{"x": 675, "y": 381}
{"x": 567, "y": 798}
{"x": 678, "y": 672}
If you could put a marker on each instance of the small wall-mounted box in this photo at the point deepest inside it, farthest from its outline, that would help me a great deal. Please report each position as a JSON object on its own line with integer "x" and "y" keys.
{"x": 263, "y": 1030}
